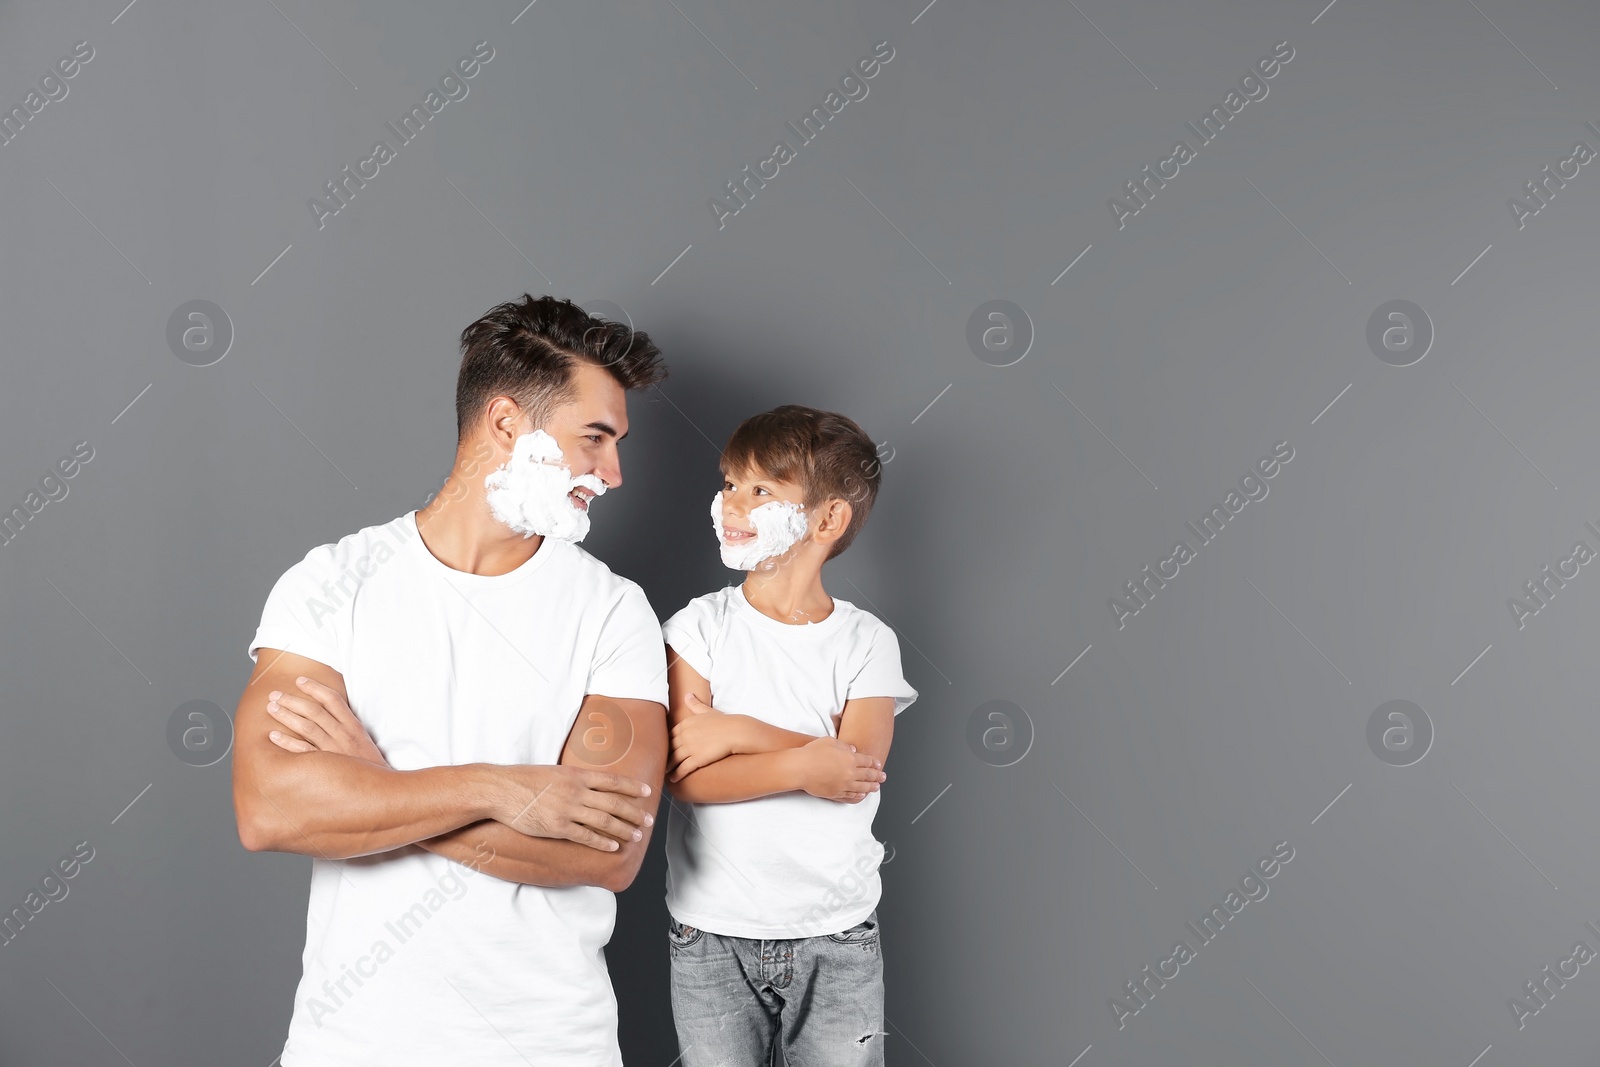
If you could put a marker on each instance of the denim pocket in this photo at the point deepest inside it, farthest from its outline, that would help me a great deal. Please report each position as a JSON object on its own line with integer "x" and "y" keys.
{"x": 864, "y": 932}
{"x": 680, "y": 935}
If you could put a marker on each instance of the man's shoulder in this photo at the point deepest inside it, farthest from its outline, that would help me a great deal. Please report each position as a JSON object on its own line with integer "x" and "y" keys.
{"x": 713, "y": 606}
{"x": 594, "y": 574}
{"x": 361, "y": 549}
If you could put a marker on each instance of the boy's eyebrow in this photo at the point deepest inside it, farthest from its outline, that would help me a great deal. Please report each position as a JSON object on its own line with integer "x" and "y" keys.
{"x": 606, "y": 427}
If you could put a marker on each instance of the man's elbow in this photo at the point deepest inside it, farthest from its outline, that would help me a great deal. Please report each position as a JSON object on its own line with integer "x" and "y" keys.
{"x": 619, "y": 874}
{"x": 254, "y": 834}
{"x": 259, "y": 826}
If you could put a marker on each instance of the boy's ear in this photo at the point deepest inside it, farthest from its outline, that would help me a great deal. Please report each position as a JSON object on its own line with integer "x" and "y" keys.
{"x": 832, "y": 519}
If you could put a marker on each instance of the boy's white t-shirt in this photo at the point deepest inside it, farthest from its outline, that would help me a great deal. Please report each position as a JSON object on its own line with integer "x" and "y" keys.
{"x": 787, "y": 865}
{"x": 410, "y": 958}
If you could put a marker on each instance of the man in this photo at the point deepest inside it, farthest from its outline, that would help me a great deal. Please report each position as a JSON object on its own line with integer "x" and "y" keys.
{"x": 510, "y": 692}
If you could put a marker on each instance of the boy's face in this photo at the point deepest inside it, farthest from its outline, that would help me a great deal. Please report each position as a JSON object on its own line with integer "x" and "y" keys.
{"x": 742, "y": 492}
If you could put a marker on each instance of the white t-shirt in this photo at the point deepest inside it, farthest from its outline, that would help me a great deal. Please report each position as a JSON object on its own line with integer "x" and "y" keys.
{"x": 790, "y": 864}
{"x": 413, "y": 960}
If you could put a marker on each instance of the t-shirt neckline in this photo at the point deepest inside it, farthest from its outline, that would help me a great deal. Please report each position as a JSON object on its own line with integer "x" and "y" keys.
{"x": 757, "y": 618}
{"x": 466, "y": 579}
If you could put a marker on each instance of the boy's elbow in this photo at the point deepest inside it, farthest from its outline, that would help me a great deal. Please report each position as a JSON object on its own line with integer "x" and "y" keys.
{"x": 685, "y": 789}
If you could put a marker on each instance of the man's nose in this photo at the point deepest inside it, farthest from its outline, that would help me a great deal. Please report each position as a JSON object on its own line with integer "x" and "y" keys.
{"x": 610, "y": 472}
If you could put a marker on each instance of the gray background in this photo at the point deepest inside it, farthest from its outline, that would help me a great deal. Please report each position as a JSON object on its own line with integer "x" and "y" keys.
{"x": 1224, "y": 318}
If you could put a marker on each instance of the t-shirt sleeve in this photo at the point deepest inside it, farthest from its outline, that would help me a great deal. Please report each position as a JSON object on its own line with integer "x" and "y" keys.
{"x": 630, "y": 662}
{"x": 687, "y": 633}
{"x": 880, "y": 675}
{"x": 300, "y": 616}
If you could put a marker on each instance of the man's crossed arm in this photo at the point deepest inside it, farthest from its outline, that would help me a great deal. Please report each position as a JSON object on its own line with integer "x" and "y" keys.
{"x": 328, "y": 792}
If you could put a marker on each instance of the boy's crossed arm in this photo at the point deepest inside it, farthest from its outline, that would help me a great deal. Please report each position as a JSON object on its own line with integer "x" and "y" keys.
{"x": 719, "y": 758}
{"x": 325, "y": 790}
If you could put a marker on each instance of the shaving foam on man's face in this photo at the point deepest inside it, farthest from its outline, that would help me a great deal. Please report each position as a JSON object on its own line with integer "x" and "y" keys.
{"x": 535, "y": 492}
{"x": 779, "y": 525}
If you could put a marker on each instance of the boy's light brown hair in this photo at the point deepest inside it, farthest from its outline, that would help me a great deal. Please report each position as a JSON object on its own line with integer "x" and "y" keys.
{"x": 826, "y": 454}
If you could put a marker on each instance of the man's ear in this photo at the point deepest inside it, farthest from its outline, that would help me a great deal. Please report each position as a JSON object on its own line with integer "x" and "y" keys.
{"x": 503, "y": 419}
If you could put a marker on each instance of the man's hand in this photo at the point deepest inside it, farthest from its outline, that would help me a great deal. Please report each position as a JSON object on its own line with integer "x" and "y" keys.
{"x": 836, "y": 771}
{"x": 322, "y": 722}
{"x": 594, "y": 808}
{"x": 705, "y": 737}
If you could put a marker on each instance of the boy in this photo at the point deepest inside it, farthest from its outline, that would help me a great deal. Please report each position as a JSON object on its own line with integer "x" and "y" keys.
{"x": 772, "y": 869}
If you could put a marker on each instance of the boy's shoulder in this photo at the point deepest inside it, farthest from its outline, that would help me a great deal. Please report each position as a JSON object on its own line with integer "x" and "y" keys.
{"x": 859, "y": 617}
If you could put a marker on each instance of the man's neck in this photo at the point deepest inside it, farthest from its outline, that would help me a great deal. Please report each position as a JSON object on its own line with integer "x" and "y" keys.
{"x": 462, "y": 533}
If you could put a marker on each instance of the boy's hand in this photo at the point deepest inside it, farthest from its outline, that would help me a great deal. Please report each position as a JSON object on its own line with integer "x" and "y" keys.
{"x": 323, "y": 721}
{"x": 705, "y": 737}
{"x": 836, "y": 771}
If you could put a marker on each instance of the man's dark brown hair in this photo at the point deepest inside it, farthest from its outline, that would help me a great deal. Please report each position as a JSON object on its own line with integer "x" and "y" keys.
{"x": 526, "y": 349}
{"x": 823, "y": 452}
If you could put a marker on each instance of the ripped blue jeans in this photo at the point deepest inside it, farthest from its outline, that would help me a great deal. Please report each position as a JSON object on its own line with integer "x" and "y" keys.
{"x": 734, "y": 999}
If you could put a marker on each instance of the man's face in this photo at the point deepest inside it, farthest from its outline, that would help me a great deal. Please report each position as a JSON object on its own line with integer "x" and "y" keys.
{"x": 589, "y": 428}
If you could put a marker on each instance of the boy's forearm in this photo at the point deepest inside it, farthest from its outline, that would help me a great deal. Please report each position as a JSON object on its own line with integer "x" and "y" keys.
{"x": 496, "y": 849}
{"x": 762, "y": 736}
{"x": 743, "y": 776}
{"x": 332, "y": 806}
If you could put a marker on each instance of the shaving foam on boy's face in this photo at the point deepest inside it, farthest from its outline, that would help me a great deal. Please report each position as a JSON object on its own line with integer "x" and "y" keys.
{"x": 532, "y": 492}
{"x": 779, "y": 525}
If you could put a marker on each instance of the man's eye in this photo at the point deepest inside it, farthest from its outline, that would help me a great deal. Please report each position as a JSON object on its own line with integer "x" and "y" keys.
{"x": 596, "y": 438}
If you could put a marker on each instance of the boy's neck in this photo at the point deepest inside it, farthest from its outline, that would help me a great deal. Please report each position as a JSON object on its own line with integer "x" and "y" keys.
{"x": 791, "y": 592}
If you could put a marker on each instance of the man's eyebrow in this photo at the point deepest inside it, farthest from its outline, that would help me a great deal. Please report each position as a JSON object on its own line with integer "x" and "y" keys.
{"x": 606, "y": 427}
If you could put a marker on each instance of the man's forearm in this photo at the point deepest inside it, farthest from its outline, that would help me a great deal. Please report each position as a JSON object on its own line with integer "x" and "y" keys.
{"x": 516, "y": 857}
{"x": 743, "y": 776}
{"x": 333, "y": 806}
